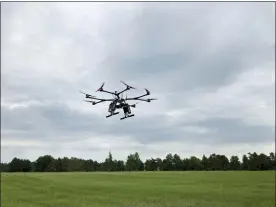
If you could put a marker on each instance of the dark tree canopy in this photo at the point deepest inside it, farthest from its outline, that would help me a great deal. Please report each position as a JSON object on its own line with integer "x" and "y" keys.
{"x": 172, "y": 162}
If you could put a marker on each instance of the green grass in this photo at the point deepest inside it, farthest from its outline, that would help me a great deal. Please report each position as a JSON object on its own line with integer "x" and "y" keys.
{"x": 141, "y": 189}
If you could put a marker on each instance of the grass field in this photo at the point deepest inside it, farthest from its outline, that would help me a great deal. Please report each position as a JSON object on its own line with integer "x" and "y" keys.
{"x": 141, "y": 189}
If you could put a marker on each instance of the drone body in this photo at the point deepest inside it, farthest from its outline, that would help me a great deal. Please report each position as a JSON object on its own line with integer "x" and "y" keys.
{"x": 118, "y": 102}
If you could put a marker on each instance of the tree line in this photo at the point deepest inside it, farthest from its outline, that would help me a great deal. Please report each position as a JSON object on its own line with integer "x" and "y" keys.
{"x": 214, "y": 162}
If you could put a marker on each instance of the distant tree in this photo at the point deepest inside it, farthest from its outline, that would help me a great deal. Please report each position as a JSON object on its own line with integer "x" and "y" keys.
{"x": 121, "y": 165}
{"x": 205, "y": 162}
{"x": 26, "y": 165}
{"x": 263, "y": 162}
{"x": 58, "y": 165}
{"x": 245, "y": 162}
{"x": 234, "y": 163}
{"x": 4, "y": 167}
{"x": 110, "y": 162}
{"x": 168, "y": 162}
{"x": 150, "y": 165}
{"x": 186, "y": 164}
{"x": 15, "y": 165}
{"x": 138, "y": 162}
{"x": 213, "y": 161}
{"x": 159, "y": 164}
{"x": 45, "y": 163}
{"x": 19, "y": 165}
{"x": 272, "y": 162}
{"x": 195, "y": 164}
{"x": 76, "y": 164}
{"x": 253, "y": 161}
{"x": 177, "y": 162}
{"x": 224, "y": 162}
{"x": 130, "y": 163}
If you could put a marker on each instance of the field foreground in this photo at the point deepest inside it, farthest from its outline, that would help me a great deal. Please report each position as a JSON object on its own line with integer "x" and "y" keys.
{"x": 139, "y": 189}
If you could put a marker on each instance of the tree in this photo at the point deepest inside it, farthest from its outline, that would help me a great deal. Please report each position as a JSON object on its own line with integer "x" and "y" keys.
{"x": 19, "y": 165}
{"x": 272, "y": 162}
{"x": 245, "y": 162}
{"x": 150, "y": 165}
{"x": 186, "y": 164}
{"x": 263, "y": 162}
{"x": 159, "y": 164}
{"x": 213, "y": 160}
{"x": 195, "y": 164}
{"x": 168, "y": 162}
{"x": 4, "y": 167}
{"x": 253, "y": 161}
{"x": 234, "y": 163}
{"x": 45, "y": 163}
{"x": 205, "y": 162}
{"x": 177, "y": 162}
{"x": 224, "y": 162}
{"x": 138, "y": 162}
{"x": 109, "y": 165}
{"x": 130, "y": 163}
{"x": 58, "y": 165}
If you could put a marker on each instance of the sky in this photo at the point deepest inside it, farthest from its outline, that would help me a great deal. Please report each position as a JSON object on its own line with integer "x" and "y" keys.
{"x": 211, "y": 66}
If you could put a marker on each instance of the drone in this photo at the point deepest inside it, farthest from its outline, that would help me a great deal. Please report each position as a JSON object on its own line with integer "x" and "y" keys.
{"x": 118, "y": 102}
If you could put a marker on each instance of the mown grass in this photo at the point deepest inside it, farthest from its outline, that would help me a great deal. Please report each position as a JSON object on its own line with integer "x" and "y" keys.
{"x": 139, "y": 189}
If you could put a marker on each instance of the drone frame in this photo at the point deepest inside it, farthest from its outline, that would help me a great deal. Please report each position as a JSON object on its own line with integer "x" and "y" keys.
{"x": 117, "y": 94}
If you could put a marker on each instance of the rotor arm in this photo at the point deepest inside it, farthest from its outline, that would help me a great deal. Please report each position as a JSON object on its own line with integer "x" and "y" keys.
{"x": 108, "y": 92}
{"x": 137, "y": 97}
{"x": 94, "y": 102}
{"x": 102, "y": 90}
{"x": 122, "y": 91}
{"x": 146, "y": 100}
{"x": 128, "y": 87}
{"x": 100, "y": 99}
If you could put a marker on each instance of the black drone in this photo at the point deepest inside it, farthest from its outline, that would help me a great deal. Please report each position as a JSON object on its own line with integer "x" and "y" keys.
{"x": 118, "y": 102}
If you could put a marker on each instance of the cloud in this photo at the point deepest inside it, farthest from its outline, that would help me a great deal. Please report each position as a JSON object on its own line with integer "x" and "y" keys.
{"x": 211, "y": 66}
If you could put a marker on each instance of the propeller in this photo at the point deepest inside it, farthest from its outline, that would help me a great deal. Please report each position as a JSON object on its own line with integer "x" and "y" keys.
{"x": 93, "y": 102}
{"x": 128, "y": 86}
{"x": 101, "y": 88}
{"x": 87, "y": 95}
{"x": 151, "y": 99}
{"x": 148, "y": 92}
{"x": 134, "y": 105}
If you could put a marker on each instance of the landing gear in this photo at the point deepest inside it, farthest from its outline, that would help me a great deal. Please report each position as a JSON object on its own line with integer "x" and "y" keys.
{"x": 127, "y": 116}
{"x": 112, "y": 114}
{"x": 127, "y": 112}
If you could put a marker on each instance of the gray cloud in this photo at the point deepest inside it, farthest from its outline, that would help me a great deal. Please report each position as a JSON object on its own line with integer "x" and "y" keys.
{"x": 211, "y": 66}
{"x": 191, "y": 45}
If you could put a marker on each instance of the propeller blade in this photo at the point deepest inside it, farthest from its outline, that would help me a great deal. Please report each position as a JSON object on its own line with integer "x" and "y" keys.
{"x": 151, "y": 99}
{"x": 134, "y": 105}
{"x": 148, "y": 92}
{"x": 101, "y": 88}
{"x": 87, "y": 95}
{"x": 127, "y": 85}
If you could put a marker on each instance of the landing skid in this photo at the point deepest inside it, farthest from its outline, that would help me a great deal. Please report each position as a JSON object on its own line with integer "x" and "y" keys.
{"x": 127, "y": 116}
{"x": 112, "y": 114}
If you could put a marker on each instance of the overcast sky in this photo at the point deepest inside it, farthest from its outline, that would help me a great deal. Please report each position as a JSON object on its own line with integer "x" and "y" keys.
{"x": 211, "y": 66}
